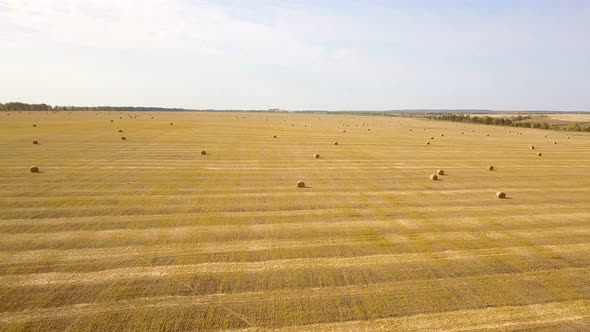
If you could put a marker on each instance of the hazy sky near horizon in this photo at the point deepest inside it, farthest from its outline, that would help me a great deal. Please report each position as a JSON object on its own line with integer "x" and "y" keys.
{"x": 335, "y": 55}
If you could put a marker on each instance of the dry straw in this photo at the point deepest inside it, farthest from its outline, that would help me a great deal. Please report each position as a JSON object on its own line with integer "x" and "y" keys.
{"x": 123, "y": 138}
{"x": 491, "y": 168}
{"x": 501, "y": 194}
{"x": 34, "y": 169}
{"x": 316, "y": 156}
{"x": 203, "y": 152}
{"x": 433, "y": 177}
{"x": 440, "y": 172}
{"x": 35, "y": 142}
{"x": 300, "y": 184}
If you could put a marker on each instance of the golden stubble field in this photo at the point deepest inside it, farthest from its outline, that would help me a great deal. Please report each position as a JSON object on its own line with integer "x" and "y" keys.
{"x": 571, "y": 117}
{"x": 148, "y": 234}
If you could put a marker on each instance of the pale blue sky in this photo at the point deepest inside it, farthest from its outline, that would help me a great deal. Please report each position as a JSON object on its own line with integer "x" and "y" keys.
{"x": 336, "y": 55}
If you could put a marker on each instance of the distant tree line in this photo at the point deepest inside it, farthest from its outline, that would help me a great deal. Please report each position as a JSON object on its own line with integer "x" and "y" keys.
{"x": 25, "y": 107}
{"x": 18, "y": 107}
{"x": 515, "y": 121}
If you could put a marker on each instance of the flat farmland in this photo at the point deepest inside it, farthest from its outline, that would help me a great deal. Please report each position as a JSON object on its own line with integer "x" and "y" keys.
{"x": 571, "y": 117}
{"x": 147, "y": 233}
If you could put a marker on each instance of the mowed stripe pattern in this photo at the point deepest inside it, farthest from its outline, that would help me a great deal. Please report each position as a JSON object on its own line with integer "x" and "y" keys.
{"x": 148, "y": 234}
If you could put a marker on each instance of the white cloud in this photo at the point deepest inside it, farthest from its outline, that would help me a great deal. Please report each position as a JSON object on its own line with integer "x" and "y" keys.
{"x": 276, "y": 50}
{"x": 294, "y": 38}
{"x": 152, "y": 24}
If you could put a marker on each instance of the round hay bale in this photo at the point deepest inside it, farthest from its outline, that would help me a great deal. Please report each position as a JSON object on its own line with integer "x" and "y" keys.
{"x": 120, "y": 130}
{"x": 34, "y": 125}
{"x": 171, "y": 123}
{"x": 203, "y": 152}
{"x": 433, "y": 177}
{"x": 440, "y": 172}
{"x": 344, "y": 131}
{"x": 491, "y": 168}
{"x": 300, "y": 184}
{"x": 112, "y": 120}
{"x": 34, "y": 169}
{"x": 123, "y": 138}
{"x": 554, "y": 142}
{"x": 501, "y": 194}
{"x": 488, "y": 135}
{"x": 35, "y": 142}
{"x": 441, "y": 135}
{"x": 410, "y": 129}
{"x": 532, "y": 147}
{"x": 431, "y": 137}
{"x": 539, "y": 154}
{"x": 462, "y": 133}
{"x": 316, "y": 156}
{"x": 335, "y": 143}
{"x": 274, "y": 136}
{"x": 427, "y": 143}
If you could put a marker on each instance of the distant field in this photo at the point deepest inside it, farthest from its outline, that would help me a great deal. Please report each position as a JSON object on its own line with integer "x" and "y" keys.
{"x": 148, "y": 234}
{"x": 571, "y": 117}
{"x": 561, "y": 120}
{"x": 557, "y": 116}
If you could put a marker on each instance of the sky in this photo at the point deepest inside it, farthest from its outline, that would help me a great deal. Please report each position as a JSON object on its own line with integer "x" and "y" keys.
{"x": 330, "y": 55}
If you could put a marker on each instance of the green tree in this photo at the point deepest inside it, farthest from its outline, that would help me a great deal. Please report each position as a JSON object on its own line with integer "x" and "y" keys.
{"x": 574, "y": 127}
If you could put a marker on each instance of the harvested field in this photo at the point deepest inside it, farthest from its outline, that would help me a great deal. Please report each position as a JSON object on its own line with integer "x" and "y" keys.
{"x": 560, "y": 120}
{"x": 148, "y": 234}
{"x": 570, "y": 117}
